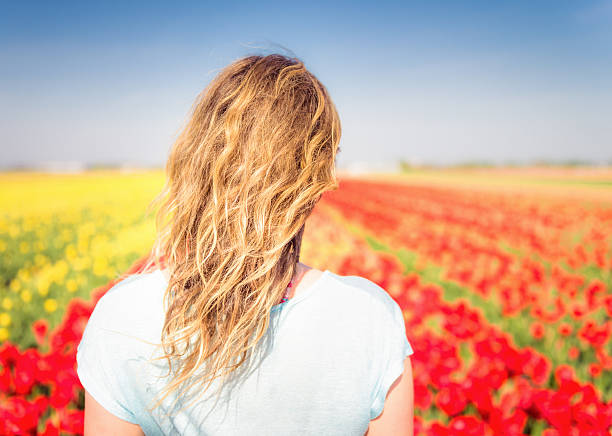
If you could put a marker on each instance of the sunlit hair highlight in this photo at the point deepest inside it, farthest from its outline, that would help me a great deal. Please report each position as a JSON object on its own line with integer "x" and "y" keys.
{"x": 244, "y": 174}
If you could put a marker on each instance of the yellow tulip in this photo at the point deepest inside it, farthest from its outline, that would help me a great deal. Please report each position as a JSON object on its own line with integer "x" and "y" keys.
{"x": 71, "y": 252}
{"x": 5, "y": 319}
{"x": 4, "y": 334}
{"x": 7, "y": 303}
{"x": 100, "y": 266}
{"x": 26, "y": 296}
{"x": 43, "y": 287}
{"x": 71, "y": 285}
{"x": 40, "y": 259}
{"x": 50, "y": 304}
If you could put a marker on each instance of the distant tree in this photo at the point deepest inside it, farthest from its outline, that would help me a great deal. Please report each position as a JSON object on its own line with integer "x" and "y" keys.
{"x": 406, "y": 166}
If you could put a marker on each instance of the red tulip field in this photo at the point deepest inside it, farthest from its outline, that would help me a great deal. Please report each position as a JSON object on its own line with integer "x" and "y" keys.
{"x": 505, "y": 286}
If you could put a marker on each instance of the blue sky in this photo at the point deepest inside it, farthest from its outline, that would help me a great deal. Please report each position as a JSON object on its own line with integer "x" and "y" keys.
{"x": 431, "y": 82}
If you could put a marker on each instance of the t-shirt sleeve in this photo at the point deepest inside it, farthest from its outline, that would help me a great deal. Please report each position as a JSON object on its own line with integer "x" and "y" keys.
{"x": 99, "y": 366}
{"x": 395, "y": 350}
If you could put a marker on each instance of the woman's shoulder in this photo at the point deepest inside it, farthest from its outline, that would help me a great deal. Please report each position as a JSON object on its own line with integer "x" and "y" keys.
{"x": 131, "y": 303}
{"x": 361, "y": 290}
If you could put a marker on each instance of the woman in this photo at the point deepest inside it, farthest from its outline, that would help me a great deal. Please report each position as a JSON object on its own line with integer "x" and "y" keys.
{"x": 224, "y": 331}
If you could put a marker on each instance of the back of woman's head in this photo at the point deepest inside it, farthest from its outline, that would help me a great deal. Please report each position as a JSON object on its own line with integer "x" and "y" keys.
{"x": 242, "y": 178}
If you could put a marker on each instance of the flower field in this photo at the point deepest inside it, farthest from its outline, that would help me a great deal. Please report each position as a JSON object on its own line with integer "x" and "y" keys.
{"x": 504, "y": 279}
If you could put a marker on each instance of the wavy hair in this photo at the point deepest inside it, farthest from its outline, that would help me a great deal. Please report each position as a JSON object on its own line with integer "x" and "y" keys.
{"x": 242, "y": 177}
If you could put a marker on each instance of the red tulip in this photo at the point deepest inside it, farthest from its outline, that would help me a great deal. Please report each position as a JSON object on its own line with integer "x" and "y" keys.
{"x": 537, "y": 330}
{"x": 40, "y": 329}
{"x": 573, "y": 353}
{"x": 565, "y": 329}
{"x": 451, "y": 399}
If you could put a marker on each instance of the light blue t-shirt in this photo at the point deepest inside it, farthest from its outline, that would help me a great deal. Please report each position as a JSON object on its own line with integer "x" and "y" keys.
{"x": 327, "y": 361}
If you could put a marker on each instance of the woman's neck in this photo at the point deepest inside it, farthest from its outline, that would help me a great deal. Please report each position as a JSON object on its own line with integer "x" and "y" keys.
{"x": 300, "y": 271}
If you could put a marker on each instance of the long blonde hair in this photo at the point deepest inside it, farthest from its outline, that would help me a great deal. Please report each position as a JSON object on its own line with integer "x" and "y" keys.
{"x": 244, "y": 174}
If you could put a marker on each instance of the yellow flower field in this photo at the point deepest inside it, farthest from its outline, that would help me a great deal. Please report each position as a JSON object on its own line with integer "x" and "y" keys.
{"x": 62, "y": 235}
